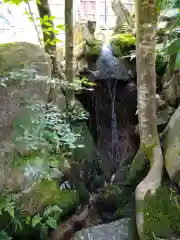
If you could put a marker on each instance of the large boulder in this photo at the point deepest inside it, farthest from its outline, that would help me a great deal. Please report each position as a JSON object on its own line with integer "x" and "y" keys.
{"x": 18, "y": 55}
{"x": 119, "y": 230}
{"x": 171, "y": 146}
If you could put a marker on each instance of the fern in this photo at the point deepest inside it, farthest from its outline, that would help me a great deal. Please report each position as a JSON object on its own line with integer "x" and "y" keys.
{"x": 43, "y": 231}
{"x": 51, "y": 222}
{"x": 52, "y": 209}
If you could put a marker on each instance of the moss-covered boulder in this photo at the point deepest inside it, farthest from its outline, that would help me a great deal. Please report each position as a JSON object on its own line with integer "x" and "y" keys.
{"x": 162, "y": 215}
{"x": 122, "y": 44}
{"x": 47, "y": 193}
{"x": 19, "y": 54}
{"x": 171, "y": 145}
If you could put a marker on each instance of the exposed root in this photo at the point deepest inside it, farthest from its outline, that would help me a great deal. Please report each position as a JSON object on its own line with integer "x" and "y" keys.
{"x": 150, "y": 184}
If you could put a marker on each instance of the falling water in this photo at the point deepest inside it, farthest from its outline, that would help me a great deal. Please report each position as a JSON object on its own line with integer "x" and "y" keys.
{"x": 108, "y": 62}
{"x": 114, "y": 137}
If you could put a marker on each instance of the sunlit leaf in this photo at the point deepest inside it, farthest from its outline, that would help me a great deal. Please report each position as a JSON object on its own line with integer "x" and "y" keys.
{"x": 36, "y": 220}
{"x": 52, "y": 18}
{"x": 47, "y": 24}
{"x": 45, "y": 18}
{"x": 51, "y": 223}
{"x": 61, "y": 26}
{"x": 174, "y": 47}
{"x": 177, "y": 63}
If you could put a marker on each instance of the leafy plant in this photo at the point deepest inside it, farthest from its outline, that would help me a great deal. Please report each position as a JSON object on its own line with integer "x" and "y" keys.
{"x": 49, "y": 219}
{"x": 4, "y": 236}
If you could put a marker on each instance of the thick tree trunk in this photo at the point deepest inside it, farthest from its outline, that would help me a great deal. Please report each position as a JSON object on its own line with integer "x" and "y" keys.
{"x": 146, "y": 82}
{"x": 69, "y": 72}
{"x": 49, "y": 38}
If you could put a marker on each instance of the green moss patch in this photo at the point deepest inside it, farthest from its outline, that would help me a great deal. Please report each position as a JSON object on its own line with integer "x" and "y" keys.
{"x": 47, "y": 193}
{"x": 122, "y": 44}
{"x": 162, "y": 214}
{"x": 93, "y": 48}
{"x": 16, "y": 55}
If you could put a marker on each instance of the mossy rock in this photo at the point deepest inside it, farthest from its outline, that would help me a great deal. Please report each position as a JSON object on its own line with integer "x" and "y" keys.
{"x": 171, "y": 145}
{"x": 93, "y": 48}
{"x": 16, "y": 55}
{"x": 47, "y": 193}
{"x": 162, "y": 214}
{"x": 122, "y": 44}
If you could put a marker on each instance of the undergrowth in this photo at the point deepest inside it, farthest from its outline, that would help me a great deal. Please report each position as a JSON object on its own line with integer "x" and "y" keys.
{"x": 48, "y": 140}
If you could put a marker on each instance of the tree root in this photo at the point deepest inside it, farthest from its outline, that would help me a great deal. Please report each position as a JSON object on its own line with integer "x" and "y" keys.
{"x": 150, "y": 184}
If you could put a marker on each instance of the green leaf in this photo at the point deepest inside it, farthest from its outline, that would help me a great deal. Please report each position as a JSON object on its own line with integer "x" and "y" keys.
{"x": 50, "y": 29}
{"x": 61, "y": 26}
{"x": 52, "y": 18}
{"x": 30, "y": 19}
{"x": 177, "y": 63}
{"x": 36, "y": 220}
{"x": 10, "y": 210}
{"x": 47, "y": 24}
{"x": 46, "y": 32}
{"x": 174, "y": 47}
{"x": 56, "y": 31}
{"x": 51, "y": 222}
{"x": 45, "y": 18}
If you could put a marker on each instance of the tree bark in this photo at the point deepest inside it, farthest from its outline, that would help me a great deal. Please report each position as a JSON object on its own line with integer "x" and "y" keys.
{"x": 146, "y": 83}
{"x": 49, "y": 38}
{"x": 69, "y": 72}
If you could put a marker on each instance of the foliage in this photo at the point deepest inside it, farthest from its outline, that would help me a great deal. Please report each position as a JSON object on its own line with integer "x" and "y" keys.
{"x": 162, "y": 215}
{"x": 122, "y": 44}
{"x": 4, "y": 236}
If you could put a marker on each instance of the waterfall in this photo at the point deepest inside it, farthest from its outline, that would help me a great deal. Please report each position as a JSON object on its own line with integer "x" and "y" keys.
{"x": 107, "y": 60}
{"x": 114, "y": 154}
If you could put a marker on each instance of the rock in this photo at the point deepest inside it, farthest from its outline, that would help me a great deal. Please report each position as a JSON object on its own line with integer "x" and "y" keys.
{"x": 119, "y": 230}
{"x": 47, "y": 193}
{"x": 19, "y": 54}
{"x": 123, "y": 17}
{"x": 171, "y": 145}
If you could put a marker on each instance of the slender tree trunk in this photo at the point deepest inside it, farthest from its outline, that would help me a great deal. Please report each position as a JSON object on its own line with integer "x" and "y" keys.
{"x": 69, "y": 72}
{"x": 49, "y": 38}
{"x": 146, "y": 83}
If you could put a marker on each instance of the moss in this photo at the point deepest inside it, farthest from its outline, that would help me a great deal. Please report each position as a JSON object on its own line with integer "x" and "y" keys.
{"x": 122, "y": 44}
{"x": 15, "y": 55}
{"x": 45, "y": 193}
{"x": 162, "y": 214}
{"x": 93, "y": 48}
{"x": 139, "y": 168}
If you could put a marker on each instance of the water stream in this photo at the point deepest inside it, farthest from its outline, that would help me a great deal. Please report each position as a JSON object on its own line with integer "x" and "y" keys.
{"x": 108, "y": 64}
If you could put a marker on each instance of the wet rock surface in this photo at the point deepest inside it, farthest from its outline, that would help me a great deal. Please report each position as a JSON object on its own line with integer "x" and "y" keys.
{"x": 119, "y": 230}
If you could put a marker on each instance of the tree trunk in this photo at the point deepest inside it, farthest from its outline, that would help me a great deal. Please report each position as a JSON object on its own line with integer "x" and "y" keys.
{"x": 49, "y": 38}
{"x": 69, "y": 72}
{"x": 146, "y": 83}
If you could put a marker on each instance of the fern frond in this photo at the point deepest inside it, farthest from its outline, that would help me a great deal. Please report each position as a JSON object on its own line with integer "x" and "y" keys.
{"x": 51, "y": 222}
{"x": 52, "y": 209}
{"x": 43, "y": 231}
